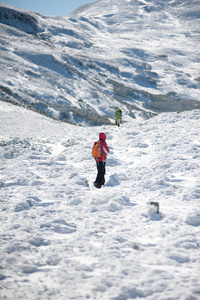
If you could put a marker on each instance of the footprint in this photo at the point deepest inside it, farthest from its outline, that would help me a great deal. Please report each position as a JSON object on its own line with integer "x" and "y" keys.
{"x": 63, "y": 227}
{"x": 29, "y": 269}
{"x": 2, "y": 277}
{"x": 38, "y": 241}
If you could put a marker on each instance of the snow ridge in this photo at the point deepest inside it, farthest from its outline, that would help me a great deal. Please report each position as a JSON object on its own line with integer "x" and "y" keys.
{"x": 19, "y": 18}
{"x": 142, "y": 55}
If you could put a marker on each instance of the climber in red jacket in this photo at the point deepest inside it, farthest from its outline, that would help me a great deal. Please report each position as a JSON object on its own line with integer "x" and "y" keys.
{"x": 101, "y": 161}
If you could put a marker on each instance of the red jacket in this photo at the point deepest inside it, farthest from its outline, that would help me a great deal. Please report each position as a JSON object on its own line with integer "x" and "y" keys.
{"x": 104, "y": 148}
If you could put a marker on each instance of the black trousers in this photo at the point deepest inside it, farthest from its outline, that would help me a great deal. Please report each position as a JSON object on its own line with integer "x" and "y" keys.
{"x": 101, "y": 168}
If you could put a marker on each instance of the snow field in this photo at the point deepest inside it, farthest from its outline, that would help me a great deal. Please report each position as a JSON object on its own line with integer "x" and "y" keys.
{"x": 63, "y": 240}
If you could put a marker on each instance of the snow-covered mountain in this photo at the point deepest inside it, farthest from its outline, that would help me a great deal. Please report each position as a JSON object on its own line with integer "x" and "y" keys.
{"x": 140, "y": 55}
{"x": 63, "y": 239}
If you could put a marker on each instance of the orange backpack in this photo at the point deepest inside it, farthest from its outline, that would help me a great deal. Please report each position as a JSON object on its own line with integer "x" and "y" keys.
{"x": 96, "y": 150}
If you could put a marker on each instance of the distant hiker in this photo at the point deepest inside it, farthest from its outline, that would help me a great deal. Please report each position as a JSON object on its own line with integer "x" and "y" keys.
{"x": 118, "y": 116}
{"x": 99, "y": 152}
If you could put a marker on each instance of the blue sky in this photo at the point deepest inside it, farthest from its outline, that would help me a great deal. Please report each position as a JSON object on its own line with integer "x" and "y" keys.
{"x": 48, "y": 7}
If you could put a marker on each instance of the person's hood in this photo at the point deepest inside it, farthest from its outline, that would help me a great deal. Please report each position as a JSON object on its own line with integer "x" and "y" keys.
{"x": 102, "y": 136}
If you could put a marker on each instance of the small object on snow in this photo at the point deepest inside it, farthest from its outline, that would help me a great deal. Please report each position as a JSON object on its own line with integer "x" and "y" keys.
{"x": 86, "y": 182}
{"x": 136, "y": 247}
{"x": 155, "y": 204}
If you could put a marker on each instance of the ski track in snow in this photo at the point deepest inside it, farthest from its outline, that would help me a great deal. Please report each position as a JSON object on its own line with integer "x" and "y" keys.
{"x": 63, "y": 240}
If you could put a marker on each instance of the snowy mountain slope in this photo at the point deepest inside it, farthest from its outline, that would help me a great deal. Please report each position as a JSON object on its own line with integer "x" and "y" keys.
{"x": 59, "y": 238}
{"x": 140, "y": 55}
{"x": 63, "y": 240}
{"x": 19, "y": 18}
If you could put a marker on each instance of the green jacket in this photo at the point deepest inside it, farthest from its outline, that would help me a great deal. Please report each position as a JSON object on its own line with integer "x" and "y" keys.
{"x": 118, "y": 114}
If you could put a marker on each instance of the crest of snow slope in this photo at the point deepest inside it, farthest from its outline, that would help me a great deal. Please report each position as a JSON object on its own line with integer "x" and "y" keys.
{"x": 140, "y": 55}
{"x": 63, "y": 240}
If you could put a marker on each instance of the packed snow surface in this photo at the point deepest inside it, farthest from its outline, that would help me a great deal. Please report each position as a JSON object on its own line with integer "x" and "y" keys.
{"x": 61, "y": 239}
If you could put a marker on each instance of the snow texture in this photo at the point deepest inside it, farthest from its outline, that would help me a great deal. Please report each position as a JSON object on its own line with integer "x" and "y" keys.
{"x": 60, "y": 237}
